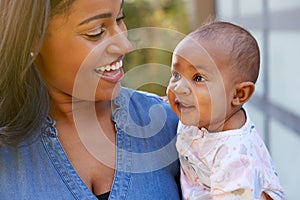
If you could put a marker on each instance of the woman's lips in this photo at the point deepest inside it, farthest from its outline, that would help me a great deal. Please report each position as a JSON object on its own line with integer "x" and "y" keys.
{"x": 112, "y": 72}
{"x": 113, "y": 66}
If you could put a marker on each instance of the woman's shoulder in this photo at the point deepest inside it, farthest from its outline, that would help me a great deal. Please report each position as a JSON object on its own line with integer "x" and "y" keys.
{"x": 141, "y": 98}
{"x": 142, "y": 107}
{"x": 138, "y": 95}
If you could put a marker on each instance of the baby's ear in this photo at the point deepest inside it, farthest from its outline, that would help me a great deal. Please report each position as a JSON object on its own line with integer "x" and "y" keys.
{"x": 243, "y": 92}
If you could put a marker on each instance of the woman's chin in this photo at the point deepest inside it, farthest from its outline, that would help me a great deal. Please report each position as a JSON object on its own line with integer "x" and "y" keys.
{"x": 108, "y": 94}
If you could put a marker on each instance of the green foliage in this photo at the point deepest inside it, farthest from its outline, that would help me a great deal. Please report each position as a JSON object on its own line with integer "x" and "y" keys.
{"x": 170, "y": 14}
{"x": 161, "y": 13}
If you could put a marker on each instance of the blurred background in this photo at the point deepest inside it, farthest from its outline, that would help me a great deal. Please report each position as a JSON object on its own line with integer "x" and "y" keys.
{"x": 275, "y": 107}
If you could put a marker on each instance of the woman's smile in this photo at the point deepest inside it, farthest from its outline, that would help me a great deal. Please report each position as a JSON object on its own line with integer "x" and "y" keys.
{"x": 112, "y": 72}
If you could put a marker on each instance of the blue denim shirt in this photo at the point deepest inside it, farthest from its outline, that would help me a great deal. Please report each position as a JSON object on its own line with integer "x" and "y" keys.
{"x": 146, "y": 167}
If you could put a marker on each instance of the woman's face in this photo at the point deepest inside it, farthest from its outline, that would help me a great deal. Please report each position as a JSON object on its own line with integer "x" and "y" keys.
{"x": 82, "y": 53}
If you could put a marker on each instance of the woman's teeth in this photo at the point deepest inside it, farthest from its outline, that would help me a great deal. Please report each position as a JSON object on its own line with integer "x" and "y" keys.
{"x": 114, "y": 66}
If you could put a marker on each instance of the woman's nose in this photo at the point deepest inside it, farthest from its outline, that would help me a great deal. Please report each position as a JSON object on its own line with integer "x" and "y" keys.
{"x": 120, "y": 43}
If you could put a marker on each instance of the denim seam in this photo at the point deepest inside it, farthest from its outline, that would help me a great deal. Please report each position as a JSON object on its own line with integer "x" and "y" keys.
{"x": 65, "y": 170}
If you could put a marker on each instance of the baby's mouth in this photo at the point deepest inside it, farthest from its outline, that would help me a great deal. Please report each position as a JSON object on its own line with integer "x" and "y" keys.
{"x": 183, "y": 105}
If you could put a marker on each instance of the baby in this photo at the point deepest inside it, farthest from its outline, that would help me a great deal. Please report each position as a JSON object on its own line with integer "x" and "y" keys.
{"x": 214, "y": 70}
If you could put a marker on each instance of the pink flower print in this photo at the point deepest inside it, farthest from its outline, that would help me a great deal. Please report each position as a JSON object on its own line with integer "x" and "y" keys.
{"x": 239, "y": 168}
{"x": 243, "y": 149}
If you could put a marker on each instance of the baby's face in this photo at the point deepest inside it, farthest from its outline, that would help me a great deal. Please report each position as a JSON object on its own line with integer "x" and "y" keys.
{"x": 200, "y": 89}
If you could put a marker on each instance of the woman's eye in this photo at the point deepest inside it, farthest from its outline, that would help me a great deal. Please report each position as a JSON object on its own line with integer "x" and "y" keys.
{"x": 199, "y": 78}
{"x": 94, "y": 35}
{"x": 176, "y": 75}
{"x": 120, "y": 19}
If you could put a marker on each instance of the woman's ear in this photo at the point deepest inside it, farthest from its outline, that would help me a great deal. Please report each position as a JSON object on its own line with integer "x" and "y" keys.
{"x": 243, "y": 92}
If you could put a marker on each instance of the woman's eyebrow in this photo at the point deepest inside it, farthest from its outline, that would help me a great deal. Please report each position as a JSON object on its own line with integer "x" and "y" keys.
{"x": 103, "y": 15}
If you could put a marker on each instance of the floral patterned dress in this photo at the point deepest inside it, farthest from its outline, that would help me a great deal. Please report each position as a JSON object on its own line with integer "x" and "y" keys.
{"x": 233, "y": 164}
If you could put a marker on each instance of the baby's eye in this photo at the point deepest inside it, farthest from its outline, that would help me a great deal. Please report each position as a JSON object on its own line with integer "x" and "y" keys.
{"x": 199, "y": 78}
{"x": 176, "y": 75}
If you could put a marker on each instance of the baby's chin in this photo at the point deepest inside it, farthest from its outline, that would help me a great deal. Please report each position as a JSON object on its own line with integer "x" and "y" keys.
{"x": 189, "y": 122}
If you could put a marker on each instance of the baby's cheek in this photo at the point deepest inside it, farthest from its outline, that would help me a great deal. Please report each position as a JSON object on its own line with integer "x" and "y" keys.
{"x": 170, "y": 94}
{"x": 170, "y": 86}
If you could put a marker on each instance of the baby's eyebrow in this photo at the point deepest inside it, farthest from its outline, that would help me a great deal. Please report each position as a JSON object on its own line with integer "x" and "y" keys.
{"x": 210, "y": 69}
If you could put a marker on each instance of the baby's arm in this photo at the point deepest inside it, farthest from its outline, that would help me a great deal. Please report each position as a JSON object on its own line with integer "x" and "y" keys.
{"x": 236, "y": 177}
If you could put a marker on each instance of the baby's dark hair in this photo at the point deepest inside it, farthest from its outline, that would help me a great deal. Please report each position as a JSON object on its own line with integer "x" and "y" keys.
{"x": 245, "y": 55}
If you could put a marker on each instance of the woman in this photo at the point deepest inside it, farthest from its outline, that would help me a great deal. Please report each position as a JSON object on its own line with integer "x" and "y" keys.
{"x": 67, "y": 128}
